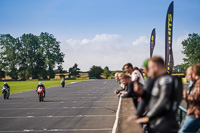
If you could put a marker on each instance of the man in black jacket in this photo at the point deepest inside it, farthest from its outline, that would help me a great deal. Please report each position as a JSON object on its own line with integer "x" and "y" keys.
{"x": 145, "y": 97}
{"x": 161, "y": 115}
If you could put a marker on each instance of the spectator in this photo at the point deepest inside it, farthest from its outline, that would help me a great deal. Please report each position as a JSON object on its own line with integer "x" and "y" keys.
{"x": 116, "y": 76}
{"x": 124, "y": 87}
{"x": 189, "y": 76}
{"x": 146, "y": 91}
{"x": 145, "y": 97}
{"x": 192, "y": 119}
{"x": 134, "y": 73}
{"x": 129, "y": 93}
{"x": 160, "y": 116}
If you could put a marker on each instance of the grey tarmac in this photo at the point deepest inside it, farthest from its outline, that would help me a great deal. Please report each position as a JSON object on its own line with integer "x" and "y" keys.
{"x": 85, "y": 107}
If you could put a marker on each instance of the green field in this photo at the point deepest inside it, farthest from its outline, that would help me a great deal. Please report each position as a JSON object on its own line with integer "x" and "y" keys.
{"x": 21, "y": 86}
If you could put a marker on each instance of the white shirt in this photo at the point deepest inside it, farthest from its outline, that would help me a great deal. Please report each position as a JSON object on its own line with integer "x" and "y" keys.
{"x": 137, "y": 76}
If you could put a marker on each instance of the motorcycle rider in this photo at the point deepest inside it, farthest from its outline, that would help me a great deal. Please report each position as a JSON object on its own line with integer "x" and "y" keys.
{"x": 62, "y": 81}
{"x": 7, "y": 86}
{"x": 41, "y": 85}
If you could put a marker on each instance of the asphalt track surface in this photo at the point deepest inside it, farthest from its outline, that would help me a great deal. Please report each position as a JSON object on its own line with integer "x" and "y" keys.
{"x": 83, "y": 107}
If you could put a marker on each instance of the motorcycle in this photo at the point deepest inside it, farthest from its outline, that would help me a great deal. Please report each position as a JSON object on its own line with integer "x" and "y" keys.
{"x": 40, "y": 93}
{"x": 5, "y": 92}
{"x": 63, "y": 84}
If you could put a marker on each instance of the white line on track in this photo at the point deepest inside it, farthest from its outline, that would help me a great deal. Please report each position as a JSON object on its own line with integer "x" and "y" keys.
{"x": 114, "y": 130}
{"x": 97, "y": 97}
{"x": 56, "y": 108}
{"x": 50, "y": 116}
{"x": 46, "y": 102}
{"x": 57, "y": 130}
{"x": 95, "y": 101}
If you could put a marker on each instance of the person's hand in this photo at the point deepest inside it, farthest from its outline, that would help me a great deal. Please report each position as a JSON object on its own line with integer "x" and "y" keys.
{"x": 184, "y": 94}
{"x": 122, "y": 94}
{"x": 132, "y": 117}
{"x": 142, "y": 120}
{"x": 137, "y": 88}
{"x": 119, "y": 94}
{"x": 115, "y": 92}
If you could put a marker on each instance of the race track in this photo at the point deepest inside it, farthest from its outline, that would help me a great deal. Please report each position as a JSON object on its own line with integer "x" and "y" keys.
{"x": 85, "y": 107}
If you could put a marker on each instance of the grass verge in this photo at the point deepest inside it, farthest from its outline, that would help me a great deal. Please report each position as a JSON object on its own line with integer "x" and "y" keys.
{"x": 22, "y": 86}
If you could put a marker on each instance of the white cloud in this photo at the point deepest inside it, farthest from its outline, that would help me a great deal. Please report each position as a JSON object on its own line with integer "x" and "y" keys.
{"x": 177, "y": 48}
{"x": 73, "y": 42}
{"x": 140, "y": 41}
{"x": 85, "y": 41}
{"x": 98, "y": 39}
{"x": 113, "y": 51}
{"x": 106, "y": 37}
{"x": 103, "y": 50}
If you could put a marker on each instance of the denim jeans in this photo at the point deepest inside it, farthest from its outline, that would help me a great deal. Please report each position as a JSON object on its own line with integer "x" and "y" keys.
{"x": 190, "y": 125}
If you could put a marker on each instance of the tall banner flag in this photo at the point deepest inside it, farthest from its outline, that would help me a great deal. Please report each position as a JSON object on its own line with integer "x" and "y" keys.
{"x": 152, "y": 41}
{"x": 169, "y": 61}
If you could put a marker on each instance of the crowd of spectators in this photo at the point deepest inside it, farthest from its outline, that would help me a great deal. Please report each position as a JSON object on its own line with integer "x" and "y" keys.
{"x": 157, "y": 95}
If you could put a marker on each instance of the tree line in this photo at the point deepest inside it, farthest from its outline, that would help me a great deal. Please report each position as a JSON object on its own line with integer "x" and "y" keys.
{"x": 30, "y": 56}
{"x": 38, "y": 56}
{"x": 191, "y": 50}
{"x": 94, "y": 72}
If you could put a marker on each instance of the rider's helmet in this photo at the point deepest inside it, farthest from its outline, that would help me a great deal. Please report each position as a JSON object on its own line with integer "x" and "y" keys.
{"x": 5, "y": 83}
{"x": 39, "y": 83}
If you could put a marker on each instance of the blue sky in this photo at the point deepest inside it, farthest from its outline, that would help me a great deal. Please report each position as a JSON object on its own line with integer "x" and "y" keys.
{"x": 102, "y": 32}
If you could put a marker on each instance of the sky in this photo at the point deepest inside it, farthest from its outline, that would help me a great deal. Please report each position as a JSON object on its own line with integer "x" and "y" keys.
{"x": 102, "y": 32}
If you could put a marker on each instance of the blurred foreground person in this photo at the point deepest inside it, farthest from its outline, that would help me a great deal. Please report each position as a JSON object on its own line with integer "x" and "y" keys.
{"x": 192, "y": 97}
{"x": 189, "y": 77}
{"x": 144, "y": 92}
{"x": 162, "y": 112}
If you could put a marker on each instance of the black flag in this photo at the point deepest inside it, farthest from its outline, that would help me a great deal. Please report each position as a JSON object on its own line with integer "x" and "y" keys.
{"x": 169, "y": 61}
{"x": 152, "y": 41}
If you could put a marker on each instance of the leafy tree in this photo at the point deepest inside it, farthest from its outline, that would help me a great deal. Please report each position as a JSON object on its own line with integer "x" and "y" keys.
{"x": 191, "y": 48}
{"x": 30, "y": 56}
{"x": 179, "y": 69}
{"x": 74, "y": 71}
{"x": 10, "y": 54}
{"x": 106, "y": 72}
{"x": 60, "y": 61}
{"x": 30, "y": 63}
{"x": 2, "y": 71}
{"x": 2, "y": 74}
{"x": 51, "y": 52}
{"x": 95, "y": 71}
{"x": 113, "y": 72}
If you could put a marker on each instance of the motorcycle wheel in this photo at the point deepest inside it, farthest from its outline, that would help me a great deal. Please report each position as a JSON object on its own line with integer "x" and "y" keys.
{"x": 40, "y": 97}
{"x": 4, "y": 95}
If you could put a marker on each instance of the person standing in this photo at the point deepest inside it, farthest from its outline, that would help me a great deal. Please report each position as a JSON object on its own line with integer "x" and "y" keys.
{"x": 192, "y": 119}
{"x": 161, "y": 115}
